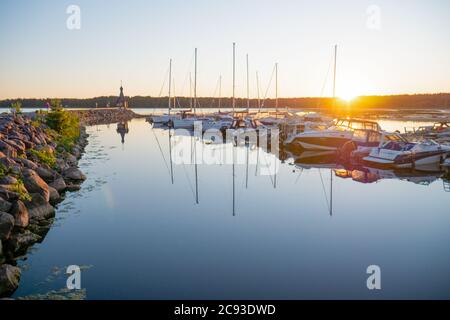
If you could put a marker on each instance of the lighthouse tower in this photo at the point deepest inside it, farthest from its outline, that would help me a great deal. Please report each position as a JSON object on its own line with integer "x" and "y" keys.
{"x": 121, "y": 102}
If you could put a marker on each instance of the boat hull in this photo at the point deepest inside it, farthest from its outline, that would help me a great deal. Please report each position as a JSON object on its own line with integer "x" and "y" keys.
{"x": 408, "y": 160}
{"x": 321, "y": 143}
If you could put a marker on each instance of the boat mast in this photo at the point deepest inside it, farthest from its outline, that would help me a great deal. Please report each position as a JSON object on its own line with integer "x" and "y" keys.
{"x": 257, "y": 86}
{"x": 248, "y": 88}
{"x": 276, "y": 88}
{"x": 190, "y": 91}
{"x": 335, "y": 69}
{"x": 170, "y": 85}
{"x": 334, "y": 104}
{"x": 220, "y": 91}
{"x": 234, "y": 75}
{"x": 195, "y": 83}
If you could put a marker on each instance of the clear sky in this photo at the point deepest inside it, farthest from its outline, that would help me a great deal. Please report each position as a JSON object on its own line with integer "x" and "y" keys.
{"x": 406, "y": 50}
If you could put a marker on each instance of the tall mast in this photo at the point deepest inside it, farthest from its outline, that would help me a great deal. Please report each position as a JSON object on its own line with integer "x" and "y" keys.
{"x": 190, "y": 91}
{"x": 257, "y": 86}
{"x": 170, "y": 85}
{"x": 248, "y": 88}
{"x": 234, "y": 75}
{"x": 195, "y": 83}
{"x": 334, "y": 104}
{"x": 276, "y": 87}
{"x": 335, "y": 69}
{"x": 220, "y": 91}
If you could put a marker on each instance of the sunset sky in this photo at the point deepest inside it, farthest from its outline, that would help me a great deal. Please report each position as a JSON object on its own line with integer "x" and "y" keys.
{"x": 407, "y": 50}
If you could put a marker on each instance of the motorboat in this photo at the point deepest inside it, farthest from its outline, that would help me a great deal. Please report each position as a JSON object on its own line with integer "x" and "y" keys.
{"x": 361, "y": 132}
{"x": 401, "y": 153}
{"x": 437, "y": 130}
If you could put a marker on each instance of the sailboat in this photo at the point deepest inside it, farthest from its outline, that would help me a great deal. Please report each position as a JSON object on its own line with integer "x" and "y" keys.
{"x": 187, "y": 121}
{"x": 165, "y": 119}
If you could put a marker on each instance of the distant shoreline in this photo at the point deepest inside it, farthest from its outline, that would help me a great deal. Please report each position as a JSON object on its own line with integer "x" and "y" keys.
{"x": 440, "y": 101}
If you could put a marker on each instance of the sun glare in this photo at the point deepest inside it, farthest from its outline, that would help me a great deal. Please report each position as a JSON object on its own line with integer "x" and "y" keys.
{"x": 348, "y": 97}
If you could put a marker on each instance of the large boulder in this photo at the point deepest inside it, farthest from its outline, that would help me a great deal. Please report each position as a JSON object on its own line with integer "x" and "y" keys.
{"x": 54, "y": 195}
{"x": 6, "y": 225}
{"x": 5, "y": 206}
{"x": 19, "y": 242}
{"x": 26, "y": 163}
{"x": 2, "y": 259}
{"x": 5, "y": 180}
{"x": 39, "y": 208}
{"x": 20, "y": 213}
{"x": 47, "y": 174}
{"x": 74, "y": 173}
{"x": 59, "y": 184}
{"x": 34, "y": 184}
{"x": 9, "y": 279}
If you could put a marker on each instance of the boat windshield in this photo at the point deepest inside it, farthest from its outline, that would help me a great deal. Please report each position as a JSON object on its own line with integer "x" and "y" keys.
{"x": 357, "y": 125}
{"x": 395, "y": 137}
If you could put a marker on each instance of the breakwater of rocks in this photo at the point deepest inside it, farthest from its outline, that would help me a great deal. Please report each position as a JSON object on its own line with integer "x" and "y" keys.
{"x": 104, "y": 116}
{"x": 35, "y": 173}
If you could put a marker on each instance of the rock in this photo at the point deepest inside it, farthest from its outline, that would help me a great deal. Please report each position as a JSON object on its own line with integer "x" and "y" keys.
{"x": 6, "y": 193}
{"x": 8, "y": 180}
{"x": 20, "y": 213}
{"x": 54, "y": 195}
{"x": 74, "y": 173}
{"x": 71, "y": 159}
{"x": 26, "y": 163}
{"x": 18, "y": 145}
{"x": 5, "y": 206}
{"x": 39, "y": 208}
{"x": 34, "y": 184}
{"x": 59, "y": 184}
{"x": 7, "y": 162}
{"x": 6, "y": 225}
{"x": 61, "y": 165}
{"x": 9, "y": 279}
{"x": 20, "y": 242}
{"x": 72, "y": 187}
{"x": 47, "y": 174}
{"x": 8, "y": 150}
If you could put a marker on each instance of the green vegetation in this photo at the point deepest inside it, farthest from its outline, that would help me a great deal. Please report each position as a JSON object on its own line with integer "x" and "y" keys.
{"x": 3, "y": 170}
{"x": 66, "y": 124}
{"x": 45, "y": 156}
{"x": 19, "y": 188}
{"x": 16, "y": 107}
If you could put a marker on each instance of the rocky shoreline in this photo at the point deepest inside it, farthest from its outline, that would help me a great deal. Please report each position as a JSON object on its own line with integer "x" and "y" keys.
{"x": 30, "y": 187}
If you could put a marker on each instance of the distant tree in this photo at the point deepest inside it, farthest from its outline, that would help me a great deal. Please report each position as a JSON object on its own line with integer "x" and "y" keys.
{"x": 16, "y": 108}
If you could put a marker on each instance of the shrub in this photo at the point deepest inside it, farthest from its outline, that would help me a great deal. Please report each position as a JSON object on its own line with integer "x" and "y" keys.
{"x": 16, "y": 107}
{"x": 3, "y": 170}
{"x": 63, "y": 122}
{"x": 44, "y": 156}
{"x": 19, "y": 188}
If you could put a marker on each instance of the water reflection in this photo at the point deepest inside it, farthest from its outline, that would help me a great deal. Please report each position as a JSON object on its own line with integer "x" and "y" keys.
{"x": 200, "y": 220}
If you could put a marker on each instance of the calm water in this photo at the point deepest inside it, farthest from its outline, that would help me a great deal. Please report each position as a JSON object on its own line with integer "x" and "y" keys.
{"x": 139, "y": 235}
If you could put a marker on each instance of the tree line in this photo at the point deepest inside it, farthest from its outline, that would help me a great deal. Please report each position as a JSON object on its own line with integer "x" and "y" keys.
{"x": 417, "y": 101}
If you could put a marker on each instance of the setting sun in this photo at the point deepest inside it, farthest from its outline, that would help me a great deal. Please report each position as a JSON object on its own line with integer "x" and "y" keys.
{"x": 348, "y": 97}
